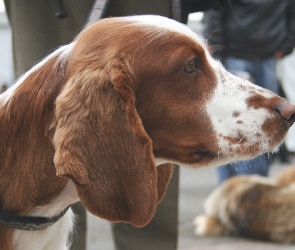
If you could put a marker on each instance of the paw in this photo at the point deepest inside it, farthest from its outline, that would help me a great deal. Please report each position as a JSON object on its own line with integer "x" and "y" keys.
{"x": 200, "y": 223}
{"x": 209, "y": 226}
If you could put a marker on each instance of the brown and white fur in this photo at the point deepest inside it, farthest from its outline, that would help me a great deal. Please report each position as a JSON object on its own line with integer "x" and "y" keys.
{"x": 258, "y": 207}
{"x": 94, "y": 120}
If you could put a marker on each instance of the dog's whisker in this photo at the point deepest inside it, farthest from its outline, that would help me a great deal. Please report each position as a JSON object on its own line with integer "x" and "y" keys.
{"x": 241, "y": 139}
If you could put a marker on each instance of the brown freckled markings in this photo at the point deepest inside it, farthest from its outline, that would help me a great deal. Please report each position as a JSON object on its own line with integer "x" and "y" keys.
{"x": 236, "y": 113}
{"x": 240, "y": 122}
{"x": 240, "y": 138}
{"x": 256, "y": 101}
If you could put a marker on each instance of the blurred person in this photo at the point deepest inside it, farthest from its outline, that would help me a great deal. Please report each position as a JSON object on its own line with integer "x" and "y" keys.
{"x": 249, "y": 36}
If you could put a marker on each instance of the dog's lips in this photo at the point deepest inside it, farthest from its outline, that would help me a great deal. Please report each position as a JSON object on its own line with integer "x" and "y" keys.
{"x": 201, "y": 155}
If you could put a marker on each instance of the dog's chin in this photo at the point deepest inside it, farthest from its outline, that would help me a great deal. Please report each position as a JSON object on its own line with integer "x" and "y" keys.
{"x": 203, "y": 156}
{"x": 194, "y": 160}
{"x": 209, "y": 159}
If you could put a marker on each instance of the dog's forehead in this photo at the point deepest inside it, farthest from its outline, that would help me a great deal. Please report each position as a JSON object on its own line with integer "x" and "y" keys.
{"x": 168, "y": 24}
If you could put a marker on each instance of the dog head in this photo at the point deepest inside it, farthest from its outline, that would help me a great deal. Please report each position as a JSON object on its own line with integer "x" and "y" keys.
{"x": 145, "y": 87}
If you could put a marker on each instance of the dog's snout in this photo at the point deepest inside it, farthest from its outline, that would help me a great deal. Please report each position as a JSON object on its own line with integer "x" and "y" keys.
{"x": 286, "y": 111}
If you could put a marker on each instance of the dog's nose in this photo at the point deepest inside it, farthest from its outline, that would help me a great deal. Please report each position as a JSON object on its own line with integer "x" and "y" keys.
{"x": 286, "y": 111}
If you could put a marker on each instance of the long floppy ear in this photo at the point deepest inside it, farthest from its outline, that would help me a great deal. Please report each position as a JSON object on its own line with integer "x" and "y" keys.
{"x": 102, "y": 146}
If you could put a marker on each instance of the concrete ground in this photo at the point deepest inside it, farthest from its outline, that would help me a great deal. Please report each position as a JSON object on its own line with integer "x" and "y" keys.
{"x": 195, "y": 186}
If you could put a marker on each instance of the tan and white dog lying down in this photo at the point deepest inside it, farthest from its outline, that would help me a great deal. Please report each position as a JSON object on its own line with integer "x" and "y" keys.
{"x": 262, "y": 208}
{"x": 93, "y": 121}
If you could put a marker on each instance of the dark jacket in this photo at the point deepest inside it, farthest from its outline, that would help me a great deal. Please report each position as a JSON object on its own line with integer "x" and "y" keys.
{"x": 251, "y": 29}
{"x": 190, "y": 6}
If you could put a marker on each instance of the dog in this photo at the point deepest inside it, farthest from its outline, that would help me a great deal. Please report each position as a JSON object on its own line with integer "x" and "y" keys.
{"x": 101, "y": 120}
{"x": 253, "y": 206}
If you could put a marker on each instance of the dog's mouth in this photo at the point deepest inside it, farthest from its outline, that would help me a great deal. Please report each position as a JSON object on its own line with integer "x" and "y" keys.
{"x": 204, "y": 155}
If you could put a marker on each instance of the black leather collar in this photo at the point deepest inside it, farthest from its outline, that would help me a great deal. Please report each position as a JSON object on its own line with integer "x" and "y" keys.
{"x": 29, "y": 222}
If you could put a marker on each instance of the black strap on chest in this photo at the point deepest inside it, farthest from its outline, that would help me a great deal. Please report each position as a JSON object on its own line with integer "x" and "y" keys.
{"x": 29, "y": 222}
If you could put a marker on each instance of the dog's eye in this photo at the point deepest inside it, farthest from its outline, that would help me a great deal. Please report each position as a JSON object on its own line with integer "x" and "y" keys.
{"x": 190, "y": 67}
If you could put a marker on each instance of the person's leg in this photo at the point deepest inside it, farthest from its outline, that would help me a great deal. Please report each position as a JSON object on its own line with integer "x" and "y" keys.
{"x": 236, "y": 66}
{"x": 226, "y": 171}
{"x": 160, "y": 233}
{"x": 266, "y": 75}
{"x": 37, "y": 31}
{"x": 258, "y": 165}
{"x": 79, "y": 235}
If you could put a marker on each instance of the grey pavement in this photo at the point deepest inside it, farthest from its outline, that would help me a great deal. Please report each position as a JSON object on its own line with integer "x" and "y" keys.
{"x": 195, "y": 186}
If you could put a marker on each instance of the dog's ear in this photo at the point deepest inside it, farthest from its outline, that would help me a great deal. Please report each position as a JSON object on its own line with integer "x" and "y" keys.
{"x": 102, "y": 146}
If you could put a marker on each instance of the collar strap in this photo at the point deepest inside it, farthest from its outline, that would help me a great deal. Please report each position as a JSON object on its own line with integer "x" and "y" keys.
{"x": 29, "y": 222}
